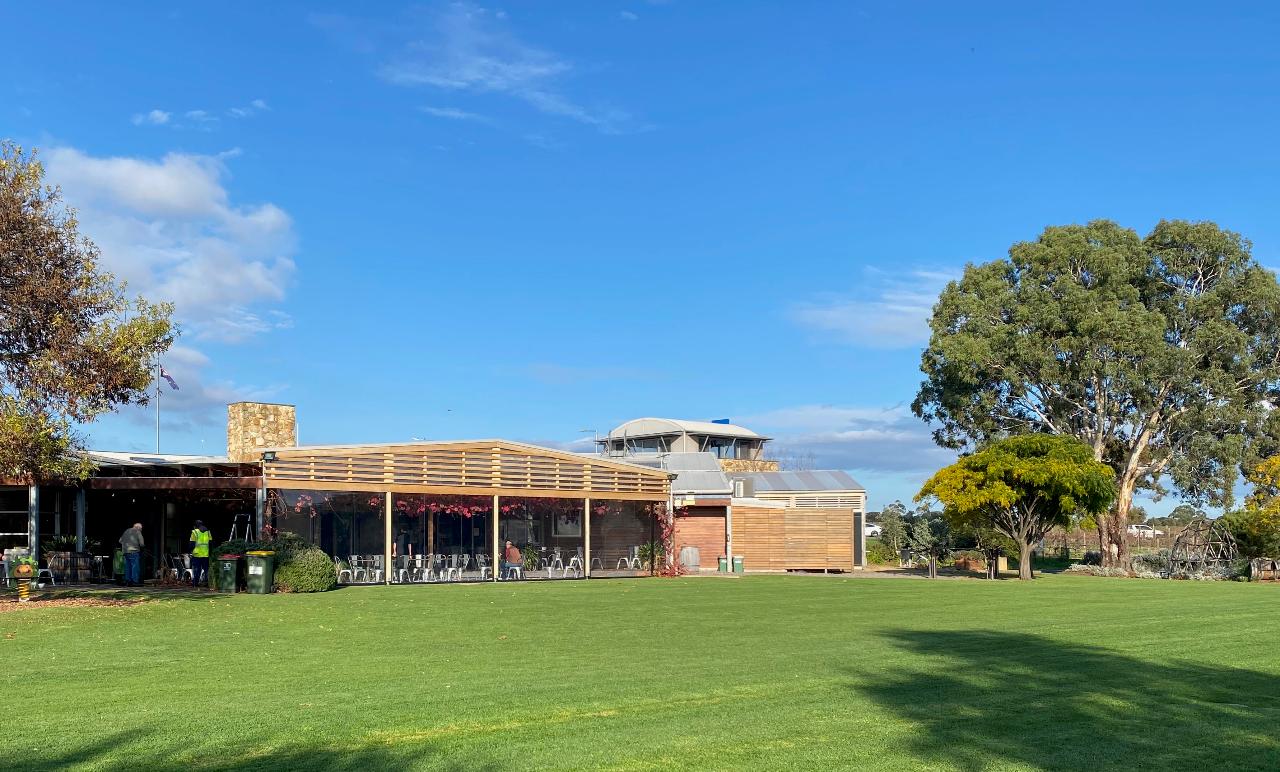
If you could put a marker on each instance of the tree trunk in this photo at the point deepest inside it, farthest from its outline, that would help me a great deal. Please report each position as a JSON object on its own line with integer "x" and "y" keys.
{"x": 1113, "y": 528}
{"x": 1024, "y": 559}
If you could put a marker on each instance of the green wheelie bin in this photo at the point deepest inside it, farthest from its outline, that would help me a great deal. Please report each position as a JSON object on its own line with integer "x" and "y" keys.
{"x": 227, "y": 569}
{"x": 261, "y": 574}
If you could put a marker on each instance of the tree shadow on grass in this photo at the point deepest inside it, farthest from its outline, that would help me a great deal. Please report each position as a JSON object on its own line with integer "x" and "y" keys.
{"x": 136, "y": 749}
{"x": 126, "y": 593}
{"x": 983, "y": 699}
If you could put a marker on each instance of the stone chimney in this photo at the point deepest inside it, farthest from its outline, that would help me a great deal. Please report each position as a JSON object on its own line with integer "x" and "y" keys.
{"x": 252, "y": 426}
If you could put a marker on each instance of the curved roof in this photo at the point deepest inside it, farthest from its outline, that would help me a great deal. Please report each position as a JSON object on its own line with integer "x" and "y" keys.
{"x": 653, "y": 427}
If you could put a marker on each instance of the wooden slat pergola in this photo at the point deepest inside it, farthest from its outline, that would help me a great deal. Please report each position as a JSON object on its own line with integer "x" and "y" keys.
{"x": 494, "y": 468}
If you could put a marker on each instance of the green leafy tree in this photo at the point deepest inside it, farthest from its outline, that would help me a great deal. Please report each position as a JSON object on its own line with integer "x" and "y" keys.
{"x": 1257, "y": 528}
{"x": 1161, "y": 354}
{"x": 930, "y": 535}
{"x": 1022, "y": 487}
{"x": 893, "y": 525}
{"x": 1182, "y": 515}
{"x": 72, "y": 346}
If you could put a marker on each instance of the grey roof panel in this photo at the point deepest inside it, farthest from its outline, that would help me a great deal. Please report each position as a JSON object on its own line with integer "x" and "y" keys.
{"x": 816, "y": 480}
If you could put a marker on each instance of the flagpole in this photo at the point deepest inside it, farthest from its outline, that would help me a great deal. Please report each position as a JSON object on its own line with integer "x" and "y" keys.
{"x": 157, "y": 407}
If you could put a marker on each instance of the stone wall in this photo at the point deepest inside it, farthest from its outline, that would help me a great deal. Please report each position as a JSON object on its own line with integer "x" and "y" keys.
{"x": 747, "y": 465}
{"x": 253, "y": 426}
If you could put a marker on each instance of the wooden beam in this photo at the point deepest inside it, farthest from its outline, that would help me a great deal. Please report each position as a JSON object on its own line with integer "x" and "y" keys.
{"x": 301, "y": 483}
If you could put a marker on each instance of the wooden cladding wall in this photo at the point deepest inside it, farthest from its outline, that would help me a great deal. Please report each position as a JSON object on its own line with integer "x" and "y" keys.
{"x": 791, "y": 538}
{"x": 463, "y": 468}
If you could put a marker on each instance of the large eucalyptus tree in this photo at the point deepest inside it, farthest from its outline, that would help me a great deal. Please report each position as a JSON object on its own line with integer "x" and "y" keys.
{"x": 1163, "y": 354}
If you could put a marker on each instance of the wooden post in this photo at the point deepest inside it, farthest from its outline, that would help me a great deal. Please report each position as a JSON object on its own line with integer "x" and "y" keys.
{"x": 57, "y": 513}
{"x": 586, "y": 538}
{"x": 431, "y": 532}
{"x": 80, "y": 503}
{"x": 497, "y": 563}
{"x": 386, "y": 547}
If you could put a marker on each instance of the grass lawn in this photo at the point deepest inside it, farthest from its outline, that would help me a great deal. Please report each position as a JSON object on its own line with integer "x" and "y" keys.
{"x": 765, "y": 672}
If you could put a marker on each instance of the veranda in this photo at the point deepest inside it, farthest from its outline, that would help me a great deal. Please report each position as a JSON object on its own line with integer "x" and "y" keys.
{"x": 444, "y": 511}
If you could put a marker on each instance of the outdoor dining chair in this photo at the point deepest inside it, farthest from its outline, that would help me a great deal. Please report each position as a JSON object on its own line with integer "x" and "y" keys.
{"x": 343, "y": 568}
{"x": 358, "y": 571}
{"x": 555, "y": 563}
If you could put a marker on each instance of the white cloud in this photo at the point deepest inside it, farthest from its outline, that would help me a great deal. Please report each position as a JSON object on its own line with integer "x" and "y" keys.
{"x": 253, "y": 108}
{"x": 153, "y": 118}
{"x": 169, "y": 228}
{"x": 468, "y": 48}
{"x": 887, "y": 440}
{"x": 627, "y": 16}
{"x": 452, "y": 113}
{"x": 891, "y": 311}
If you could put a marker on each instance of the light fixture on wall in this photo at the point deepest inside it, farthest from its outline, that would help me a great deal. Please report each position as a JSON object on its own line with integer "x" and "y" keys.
{"x": 270, "y": 455}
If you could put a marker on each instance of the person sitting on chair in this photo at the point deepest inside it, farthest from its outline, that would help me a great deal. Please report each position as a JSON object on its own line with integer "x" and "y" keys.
{"x": 511, "y": 558}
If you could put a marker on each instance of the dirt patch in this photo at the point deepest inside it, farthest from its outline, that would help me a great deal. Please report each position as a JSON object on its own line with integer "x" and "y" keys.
{"x": 12, "y": 604}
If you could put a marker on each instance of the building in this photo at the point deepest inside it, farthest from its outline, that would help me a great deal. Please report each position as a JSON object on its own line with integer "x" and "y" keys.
{"x": 737, "y": 448}
{"x": 385, "y": 512}
{"x": 418, "y": 510}
{"x": 732, "y": 501}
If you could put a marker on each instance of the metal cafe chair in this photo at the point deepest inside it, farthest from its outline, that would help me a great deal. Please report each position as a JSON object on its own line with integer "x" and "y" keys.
{"x": 375, "y": 567}
{"x": 555, "y": 563}
{"x": 357, "y": 569}
{"x": 338, "y": 566}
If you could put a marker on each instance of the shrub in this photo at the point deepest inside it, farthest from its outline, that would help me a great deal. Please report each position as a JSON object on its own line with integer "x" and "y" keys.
{"x": 1091, "y": 559}
{"x": 1084, "y": 568}
{"x": 1151, "y": 562}
{"x": 881, "y": 554}
{"x": 307, "y": 570}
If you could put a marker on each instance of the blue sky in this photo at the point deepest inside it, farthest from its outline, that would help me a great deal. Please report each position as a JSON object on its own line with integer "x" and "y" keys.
{"x": 526, "y": 220}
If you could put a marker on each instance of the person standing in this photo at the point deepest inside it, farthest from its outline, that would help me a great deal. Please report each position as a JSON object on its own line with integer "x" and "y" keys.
{"x": 131, "y": 544}
{"x": 199, "y": 554}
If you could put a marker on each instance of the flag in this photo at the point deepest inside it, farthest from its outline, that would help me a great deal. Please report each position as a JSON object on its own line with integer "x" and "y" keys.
{"x": 164, "y": 374}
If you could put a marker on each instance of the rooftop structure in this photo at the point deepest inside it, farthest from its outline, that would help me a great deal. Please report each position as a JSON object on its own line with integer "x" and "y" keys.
{"x": 737, "y": 447}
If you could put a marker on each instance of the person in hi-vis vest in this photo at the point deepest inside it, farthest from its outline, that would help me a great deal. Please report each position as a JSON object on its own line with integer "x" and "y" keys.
{"x": 199, "y": 554}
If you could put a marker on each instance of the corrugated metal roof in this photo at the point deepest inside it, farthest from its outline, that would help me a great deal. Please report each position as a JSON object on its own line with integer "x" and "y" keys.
{"x": 695, "y": 472}
{"x": 817, "y": 480}
{"x": 124, "y": 458}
